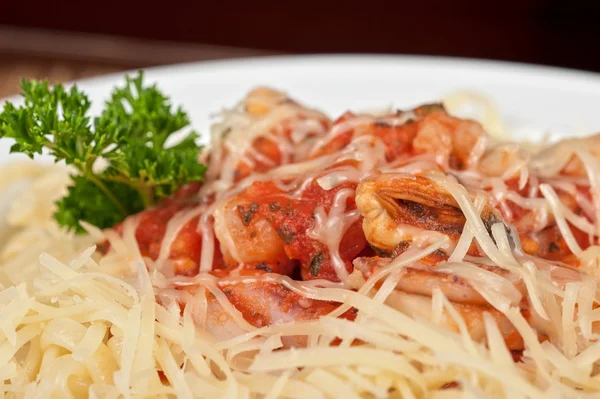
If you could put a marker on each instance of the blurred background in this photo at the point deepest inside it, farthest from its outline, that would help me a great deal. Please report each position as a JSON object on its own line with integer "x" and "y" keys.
{"x": 71, "y": 39}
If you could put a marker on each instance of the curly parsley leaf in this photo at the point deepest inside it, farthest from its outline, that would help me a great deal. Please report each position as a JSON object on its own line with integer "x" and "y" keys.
{"x": 55, "y": 119}
{"x": 140, "y": 113}
{"x": 86, "y": 201}
{"x": 161, "y": 171}
{"x": 130, "y": 134}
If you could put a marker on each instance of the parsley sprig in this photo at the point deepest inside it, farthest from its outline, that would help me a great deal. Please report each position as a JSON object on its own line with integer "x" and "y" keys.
{"x": 130, "y": 135}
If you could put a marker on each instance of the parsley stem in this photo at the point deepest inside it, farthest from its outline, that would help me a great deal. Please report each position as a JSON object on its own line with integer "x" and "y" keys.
{"x": 58, "y": 152}
{"x": 145, "y": 191}
{"x": 146, "y": 194}
{"x": 94, "y": 179}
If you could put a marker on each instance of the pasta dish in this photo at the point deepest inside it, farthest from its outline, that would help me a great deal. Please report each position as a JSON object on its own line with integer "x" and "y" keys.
{"x": 401, "y": 254}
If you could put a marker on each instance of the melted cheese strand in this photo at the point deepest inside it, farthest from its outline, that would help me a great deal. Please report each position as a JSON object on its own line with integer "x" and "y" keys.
{"x": 593, "y": 170}
{"x": 174, "y": 226}
{"x": 499, "y": 291}
{"x": 330, "y": 229}
{"x": 466, "y": 238}
{"x": 561, "y": 222}
{"x": 461, "y": 196}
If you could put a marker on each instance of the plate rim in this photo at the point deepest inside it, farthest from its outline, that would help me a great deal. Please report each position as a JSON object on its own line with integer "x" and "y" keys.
{"x": 272, "y": 61}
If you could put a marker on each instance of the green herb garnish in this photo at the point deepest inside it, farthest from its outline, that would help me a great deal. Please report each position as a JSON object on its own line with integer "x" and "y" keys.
{"x": 315, "y": 264}
{"x": 129, "y": 135}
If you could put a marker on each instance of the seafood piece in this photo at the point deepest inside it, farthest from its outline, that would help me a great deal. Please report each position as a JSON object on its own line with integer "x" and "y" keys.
{"x": 525, "y": 188}
{"x": 266, "y": 225}
{"x": 415, "y": 288}
{"x": 399, "y": 208}
{"x": 454, "y": 141}
{"x": 260, "y": 302}
{"x": 244, "y": 226}
{"x": 266, "y": 130}
{"x": 395, "y": 131}
{"x": 420, "y": 307}
{"x": 502, "y": 158}
{"x": 425, "y": 279}
{"x": 427, "y": 129}
{"x": 561, "y": 157}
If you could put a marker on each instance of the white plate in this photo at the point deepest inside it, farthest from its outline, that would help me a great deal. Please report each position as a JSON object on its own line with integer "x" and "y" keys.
{"x": 531, "y": 98}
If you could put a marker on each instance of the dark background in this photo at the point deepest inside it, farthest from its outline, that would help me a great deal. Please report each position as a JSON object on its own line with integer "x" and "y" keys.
{"x": 561, "y": 33}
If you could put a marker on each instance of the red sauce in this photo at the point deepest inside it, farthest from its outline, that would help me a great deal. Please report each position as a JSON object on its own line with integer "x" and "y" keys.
{"x": 293, "y": 218}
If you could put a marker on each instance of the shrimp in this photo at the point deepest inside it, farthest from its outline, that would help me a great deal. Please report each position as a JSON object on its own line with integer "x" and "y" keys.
{"x": 451, "y": 139}
{"x": 267, "y": 225}
{"x": 399, "y": 208}
{"x": 421, "y": 307}
{"x": 424, "y": 279}
{"x": 415, "y": 288}
{"x": 392, "y": 130}
{"x": 261, "y": 301}
{"x": 560, "y": 158}
{"x": 427, "y": 129}
{"x": 417, "y": 283}
{"x": 499, "y": 159}
{"x": 266, "y": 130}
{"x": 245, "y": 222}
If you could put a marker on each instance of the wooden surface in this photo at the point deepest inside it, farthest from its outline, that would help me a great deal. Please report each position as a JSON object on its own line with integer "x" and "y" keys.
{"x": 65, "y": 56}
{"x": 552, "y": 32}
{"x": 15, "y": 67}
{"x": 60, "y": 41}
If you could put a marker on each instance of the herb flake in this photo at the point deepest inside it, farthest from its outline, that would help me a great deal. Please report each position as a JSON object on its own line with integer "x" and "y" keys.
{"x": 315, "y": 263}
{"x": 247, "y": 214}
{"x": 286, "y": 234}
